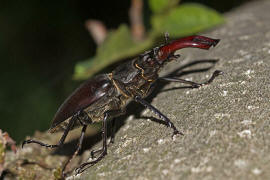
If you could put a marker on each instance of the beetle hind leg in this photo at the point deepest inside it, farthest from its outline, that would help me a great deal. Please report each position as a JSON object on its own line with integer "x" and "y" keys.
{"x": 61, "y": 141}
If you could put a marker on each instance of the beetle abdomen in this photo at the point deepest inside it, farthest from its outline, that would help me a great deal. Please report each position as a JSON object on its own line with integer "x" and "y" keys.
{"x": 84, "y": 96}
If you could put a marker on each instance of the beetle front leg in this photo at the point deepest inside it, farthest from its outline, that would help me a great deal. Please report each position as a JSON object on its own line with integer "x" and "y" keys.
{"x": 158, "y": 113}
{"x": 193, "y": 84}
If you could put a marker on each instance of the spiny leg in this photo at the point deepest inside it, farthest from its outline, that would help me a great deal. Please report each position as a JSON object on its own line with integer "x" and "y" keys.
{"x": 79, "y": 146}
{"x": 104, "y": 147}
{"x": 158, "y": 113}
{"x": 103, "y": 150}
{"x": 194, "y": 84}
{"x": 61, "y": 141}
{"x": 114, "y": 114}
{"x": 113, "y": 131}
{"x": 93, "y": 152}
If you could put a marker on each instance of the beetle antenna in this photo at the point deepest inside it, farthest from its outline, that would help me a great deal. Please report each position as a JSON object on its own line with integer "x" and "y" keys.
{"x": 167, "y": 37}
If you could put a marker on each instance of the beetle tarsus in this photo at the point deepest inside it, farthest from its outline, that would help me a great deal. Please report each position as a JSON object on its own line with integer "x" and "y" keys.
{"x": 93, "y": 152}
{"x": 40, "y": 143}
{"x": 214, "y": 75}
{"x": 86, "y": 165}
{"x": 175, "y": 133}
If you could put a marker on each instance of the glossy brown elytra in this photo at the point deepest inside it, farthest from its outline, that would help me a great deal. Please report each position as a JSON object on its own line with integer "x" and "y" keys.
{"x": 105, "y": 96}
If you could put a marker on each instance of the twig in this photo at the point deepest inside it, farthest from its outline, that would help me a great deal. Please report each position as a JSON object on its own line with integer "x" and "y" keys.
{"x": 136, "y": 19}
{"x": 97, "y": 30}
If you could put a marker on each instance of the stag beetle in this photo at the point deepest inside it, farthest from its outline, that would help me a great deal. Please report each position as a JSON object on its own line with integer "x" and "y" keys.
{"x": 106, "y": 95}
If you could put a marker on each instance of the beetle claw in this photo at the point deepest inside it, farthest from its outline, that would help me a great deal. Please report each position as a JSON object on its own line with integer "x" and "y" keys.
{"x": 93, "y": 152}
{"x": 78, "y": 171}
{"x": 218, "y": 72}
{"x": 175, "y": 133}
{"x": 24, "y": 142}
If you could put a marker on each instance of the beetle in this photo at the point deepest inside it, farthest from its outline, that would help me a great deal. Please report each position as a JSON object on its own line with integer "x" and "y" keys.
{"x": 106, "y": 96}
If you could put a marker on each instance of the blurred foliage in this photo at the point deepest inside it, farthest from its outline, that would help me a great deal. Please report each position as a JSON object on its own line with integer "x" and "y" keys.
{"x": 118, "y": 45}
{"x": 168, "y": 17}
{"x": 159, "y": 6}
{"x": 185, "y": 20}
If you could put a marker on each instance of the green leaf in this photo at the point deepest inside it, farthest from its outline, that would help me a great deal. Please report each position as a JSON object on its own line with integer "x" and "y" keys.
{"x": 118, "y": 45}
{"x": 179, "y": 21}
{"x": 185, "y": 20}
{"x": 159, "y": 6}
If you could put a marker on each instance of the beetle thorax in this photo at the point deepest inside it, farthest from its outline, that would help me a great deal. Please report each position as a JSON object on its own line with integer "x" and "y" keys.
{"x": 136, "y": 77}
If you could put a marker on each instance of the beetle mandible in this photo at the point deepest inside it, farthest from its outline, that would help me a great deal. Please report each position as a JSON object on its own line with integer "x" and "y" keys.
{"x": 105, "y": 96}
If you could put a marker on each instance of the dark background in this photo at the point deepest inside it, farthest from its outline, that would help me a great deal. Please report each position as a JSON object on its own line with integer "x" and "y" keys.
{"x": 40, "y": 42}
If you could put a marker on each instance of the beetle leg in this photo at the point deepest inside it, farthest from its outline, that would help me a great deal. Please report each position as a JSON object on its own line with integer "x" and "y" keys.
{"x": 93, "y": 152}
{"x": 104, "y": 146}
{"x": 193, "y": 84}
{"x": 113, "y": 131}
{"x": 81, "y": 168}
{"x": 103, "y": 151}
{"x": 79, "y": 146}
{"x": 158, "y": 113}
{"x": 60, "y": 143}
{"x": 116, "y": 113}
{"x": 112, "y": 113}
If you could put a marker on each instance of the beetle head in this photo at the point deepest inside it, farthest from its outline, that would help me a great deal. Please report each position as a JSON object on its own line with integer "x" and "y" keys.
{"x": 148, "y": 63}
{"x": 151, "y": 61}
